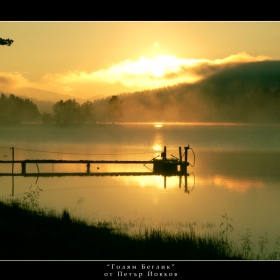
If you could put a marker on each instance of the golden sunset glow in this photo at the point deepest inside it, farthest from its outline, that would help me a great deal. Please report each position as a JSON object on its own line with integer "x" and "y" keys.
{"x": 158, "y": 144}
{"x": 157, "y": 148}
{"x": 158, "y": 125}
{"x": 144, "y": 73}
{"x": 84, "y": 59}
{"x": 157, "y": 181}
{"x": 237, "y": 185}
{"x": 232, "y": 183}
{"x": 140, "y": 135}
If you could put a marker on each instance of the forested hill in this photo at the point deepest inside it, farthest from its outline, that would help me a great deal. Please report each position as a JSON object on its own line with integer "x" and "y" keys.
{"x": 247, "y": 92}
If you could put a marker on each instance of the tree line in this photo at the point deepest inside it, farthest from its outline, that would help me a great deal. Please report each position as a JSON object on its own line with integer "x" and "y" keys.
{"x": 72, "y": 112}
{"x": 17, "y": 110}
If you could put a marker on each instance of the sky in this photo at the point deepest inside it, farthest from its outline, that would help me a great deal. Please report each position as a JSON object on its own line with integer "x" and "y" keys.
{"x": 87, "y": 59}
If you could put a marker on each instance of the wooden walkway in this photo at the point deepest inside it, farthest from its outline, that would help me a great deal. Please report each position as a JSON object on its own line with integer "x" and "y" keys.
{"x": 80, "y": 174}
{"x": 164, "y": 166}
{"x": 77, "y": 161}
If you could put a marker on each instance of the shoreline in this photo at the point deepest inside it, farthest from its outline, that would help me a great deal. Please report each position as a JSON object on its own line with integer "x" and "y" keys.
{"x": 34, "y": 233}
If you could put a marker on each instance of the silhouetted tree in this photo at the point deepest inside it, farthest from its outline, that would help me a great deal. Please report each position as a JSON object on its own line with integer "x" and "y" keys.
{"x": 115, "y": 109}
{"x": 47, "y": 118}
{"x": 66, "y": 112}
{"x": 15, "y": 110}
{"x": 6, "y": 42}
{"x": 87, "y": 114}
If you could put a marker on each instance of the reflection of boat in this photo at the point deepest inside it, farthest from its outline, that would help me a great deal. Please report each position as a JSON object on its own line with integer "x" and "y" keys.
{"x": 171, "y": 166}
{"x": 183, "y": 178}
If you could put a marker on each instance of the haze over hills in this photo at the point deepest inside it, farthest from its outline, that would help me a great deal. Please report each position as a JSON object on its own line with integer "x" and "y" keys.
{"x": 46, "y": 99}
{"x": 45, "y": 95}
{"x": 247, "y": 92}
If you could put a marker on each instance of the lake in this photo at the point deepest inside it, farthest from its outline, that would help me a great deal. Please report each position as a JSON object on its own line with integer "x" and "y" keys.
{"x": 235, "y": 172}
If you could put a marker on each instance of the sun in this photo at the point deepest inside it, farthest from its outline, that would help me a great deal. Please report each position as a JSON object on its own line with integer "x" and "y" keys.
{"x": 157, "y": 147}
{"x": 156, "y": 66}
{"x": 158, "y": 70}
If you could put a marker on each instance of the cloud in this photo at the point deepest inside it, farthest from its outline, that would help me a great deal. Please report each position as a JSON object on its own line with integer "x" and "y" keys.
{"x": 202, "y": 68}
{"x": 241, "y": 57}
{"x": 145, "y": 73}
{"x": 151, "y": 72}
{"x": 12, "y": 80}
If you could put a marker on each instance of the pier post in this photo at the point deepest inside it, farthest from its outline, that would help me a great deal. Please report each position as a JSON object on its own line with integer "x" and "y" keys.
{"x": 180, "y": 160}
{"x": 186, "y": 160}
{"x": 88, "y": 167}
{"x": 23, "y": 168}
{"x": 163, "y": 155}
{"x": 13, "y": 159}
{"x": 180, "y": 154}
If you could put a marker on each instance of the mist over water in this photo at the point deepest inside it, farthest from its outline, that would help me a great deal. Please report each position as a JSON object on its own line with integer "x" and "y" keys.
{"x": 236, "y": 172}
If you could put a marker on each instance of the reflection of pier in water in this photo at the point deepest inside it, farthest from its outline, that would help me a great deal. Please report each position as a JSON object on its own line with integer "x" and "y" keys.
{"x": 164, "y": 166}
{"x": 183, "y": 179}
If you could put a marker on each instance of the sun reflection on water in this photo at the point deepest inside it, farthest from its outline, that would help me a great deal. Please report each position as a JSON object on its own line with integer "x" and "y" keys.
{"x": 158, "y": 125}
{"x": 158, "y": 143}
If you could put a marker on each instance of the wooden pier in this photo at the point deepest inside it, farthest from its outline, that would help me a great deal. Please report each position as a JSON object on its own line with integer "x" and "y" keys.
{"x": 163, "y": 166}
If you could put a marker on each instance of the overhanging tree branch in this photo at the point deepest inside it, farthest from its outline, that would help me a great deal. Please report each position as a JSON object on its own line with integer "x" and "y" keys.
{"x": 6, "y": 42}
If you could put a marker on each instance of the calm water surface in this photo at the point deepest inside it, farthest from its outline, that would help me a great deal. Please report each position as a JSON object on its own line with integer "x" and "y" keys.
{"x": 236, "y": 172}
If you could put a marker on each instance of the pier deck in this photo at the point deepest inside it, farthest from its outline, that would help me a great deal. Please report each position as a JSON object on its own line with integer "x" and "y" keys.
{"x": 77, "y": 161}
{"x": 165, "y": 166}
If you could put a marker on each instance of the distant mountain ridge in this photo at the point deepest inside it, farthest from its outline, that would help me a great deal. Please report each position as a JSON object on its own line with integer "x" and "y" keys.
{"x": 45, "y": 95}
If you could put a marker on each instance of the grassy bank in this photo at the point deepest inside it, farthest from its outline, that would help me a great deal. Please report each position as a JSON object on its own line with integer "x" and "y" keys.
{"x": 31, "y": 233}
